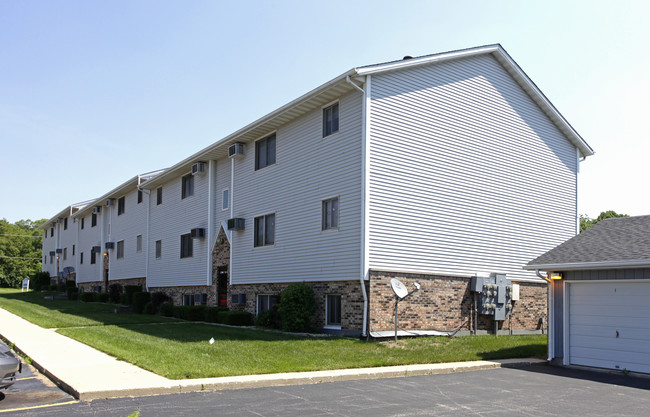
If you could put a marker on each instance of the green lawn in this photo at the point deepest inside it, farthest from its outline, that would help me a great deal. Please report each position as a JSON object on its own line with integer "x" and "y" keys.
{"x": 178, "y": 349}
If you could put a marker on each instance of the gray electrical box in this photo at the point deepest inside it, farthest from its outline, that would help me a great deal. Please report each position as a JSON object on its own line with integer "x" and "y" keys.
{"x": 494, "y": 295}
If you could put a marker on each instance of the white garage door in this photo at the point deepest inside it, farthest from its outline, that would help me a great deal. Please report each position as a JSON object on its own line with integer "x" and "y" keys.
{"x": 609, "y": 325}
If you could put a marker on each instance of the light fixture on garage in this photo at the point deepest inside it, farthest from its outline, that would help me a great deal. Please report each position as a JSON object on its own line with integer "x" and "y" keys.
{"x": 556, "y": 275}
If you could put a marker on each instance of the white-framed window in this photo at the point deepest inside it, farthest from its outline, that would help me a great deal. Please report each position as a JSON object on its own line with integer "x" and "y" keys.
{"x": 187, "y": 249}
{"x": 330, "y": 217}
{"x": 264, "y": 230}
{"x": 73, "y": 248}
{"x": 138, "y": 243}
{"x": 158, "y": 249}
{"x": 65, "y": 224}
{"x": 333, "y": 311}
{"x": 120, "y": 249}
{"x": 159, "y": 196}
{"x": 225, "y": 199}
{"x": 187, "y": 183}
{"x": 65, "y": 253}
{"x": 81, "y": 258}
{"x": 265, "y": 152}
{"x": 266, "y": 302}
{"x": 331, "y": 119}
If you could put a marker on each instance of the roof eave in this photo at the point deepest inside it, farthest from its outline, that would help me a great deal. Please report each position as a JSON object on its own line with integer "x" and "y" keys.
{"x": 578, "y": 266}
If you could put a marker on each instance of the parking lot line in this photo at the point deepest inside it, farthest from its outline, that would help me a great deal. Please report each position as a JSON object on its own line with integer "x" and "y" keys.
{"x": 27, "y": 377}
{"x": 37, "y": 406}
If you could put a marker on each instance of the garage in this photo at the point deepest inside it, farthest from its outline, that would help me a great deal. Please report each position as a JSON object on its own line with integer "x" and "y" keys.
{"x": 599, "y": 296}
{"x": 609, "y": 325}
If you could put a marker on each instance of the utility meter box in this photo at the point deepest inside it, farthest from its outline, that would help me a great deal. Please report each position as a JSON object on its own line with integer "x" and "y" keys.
{"x": 494, "y": 295}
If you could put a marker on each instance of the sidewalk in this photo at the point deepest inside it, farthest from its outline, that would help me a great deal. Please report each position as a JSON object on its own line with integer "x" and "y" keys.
{"x": 90, "y": 374}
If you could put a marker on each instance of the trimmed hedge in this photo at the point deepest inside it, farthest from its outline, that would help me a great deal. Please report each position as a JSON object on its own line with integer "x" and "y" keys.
{"x": 87, "y": 297}
{"x": 129, "y": 290}
{"x": 148, "y": 308}
{"x": 190, "y": 313}
{"x": 73, "y": 293}
{"x": 102, "y": 297}
{"x": 157, "y": 298}
{"x": 40, "y": 281}
{"x": 114, "y": 291}
{"x": 167, "y": 309}
{"x": 235, "y": 318}
{"x": 297, "y": 307}
{"x": 211, "y": 314}
{"x": 139, "y": 301}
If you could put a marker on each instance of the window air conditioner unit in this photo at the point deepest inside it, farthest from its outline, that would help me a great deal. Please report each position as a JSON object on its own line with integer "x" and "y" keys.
{"x": 236, "y": 223}
{"x": 59, "y": 221}
{"x": 200, "y": 299}
{"x": 110, "y": 202}
{"x": 198, "y": 168}
{"x": 239, "y": 298}
{"x": 236, "y": 149}
{"x": 96, "y": 249}
{"x": 199, "y": 233}
{"x": 52, "y": 253}
{"x": 97, "y": 210}
{"x": 59, "y": 251}
{"x": 53, "y": 225}
{"x": 109, "y": 245}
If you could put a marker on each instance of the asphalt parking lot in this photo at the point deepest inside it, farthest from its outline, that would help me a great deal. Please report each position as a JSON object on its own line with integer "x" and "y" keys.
{"x": 32, "y": 391}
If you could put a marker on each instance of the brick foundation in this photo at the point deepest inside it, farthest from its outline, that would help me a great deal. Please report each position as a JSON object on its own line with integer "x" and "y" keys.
{"x": 91, "y": 286}
{"x": 446, "y": 303}
{"x": 177, "y": 293}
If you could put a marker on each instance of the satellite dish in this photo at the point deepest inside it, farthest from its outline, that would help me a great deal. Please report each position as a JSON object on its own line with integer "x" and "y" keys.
{"x": 398, "y": 288}
{"x": 68, "y": 270}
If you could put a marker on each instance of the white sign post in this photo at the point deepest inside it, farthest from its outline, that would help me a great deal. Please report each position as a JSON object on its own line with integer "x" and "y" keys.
{"x": 25, "y": 285}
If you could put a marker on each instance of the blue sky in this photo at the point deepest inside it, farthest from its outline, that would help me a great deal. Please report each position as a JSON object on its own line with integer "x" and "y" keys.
{"x": 93, "y": 93}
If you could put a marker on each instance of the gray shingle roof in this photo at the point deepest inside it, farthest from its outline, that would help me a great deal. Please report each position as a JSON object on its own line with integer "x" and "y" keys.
{"x": 618, "y": 242}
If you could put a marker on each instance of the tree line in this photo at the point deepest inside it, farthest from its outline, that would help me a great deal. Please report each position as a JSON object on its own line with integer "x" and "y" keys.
{"x": 21, "y": 251}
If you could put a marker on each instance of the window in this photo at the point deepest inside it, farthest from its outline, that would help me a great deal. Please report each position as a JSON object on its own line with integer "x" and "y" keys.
{"x": 65, "y": 224}
{"x": 52, "y": 232}
{"x": 139, "y": 196}
{"x": 331, "y": 214}
{"x": 72, "y": 250}
{"x": 331, "y": 119}
{"x": 83, "y": 222}
{"x": 65, "y": 254}
{"x": 138, "y": 243}
{"x": 159, "y": 196}
{"x": 120, "y": 205}
{"x": 264, "y": 230}
{"x": 187, "y": 186}
{"x": 186, "y": 246}
{"x": 93, "y": 220}
{"x": 81, "y": 258}
{"x": 93, "y": 257}
{"x": 225, "y": 202}
{"x": 266, "y": 302}
{"x": 51, "y": 259}
{"x": 188, "y": 299}
{"x": 120, "y": 249}
{"x": 333, "y": 313}
{"x": 265, "y": 152}
{"x": 158, "y": 249}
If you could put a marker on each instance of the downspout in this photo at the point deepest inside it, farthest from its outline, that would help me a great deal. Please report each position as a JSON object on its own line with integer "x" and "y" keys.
{"x": 551, "y": 328}
{"x": 211, "y": 232}
{"x": 232, "y": 215}
{"x": 146, "y": 237}
{"x": 364, "y": 275}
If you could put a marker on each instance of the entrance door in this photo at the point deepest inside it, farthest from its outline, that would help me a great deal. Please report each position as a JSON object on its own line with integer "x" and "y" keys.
{"x": 222, "y": 286}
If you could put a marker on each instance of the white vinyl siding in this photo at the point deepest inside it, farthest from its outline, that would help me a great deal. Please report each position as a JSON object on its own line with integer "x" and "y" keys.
{"x": 307, "y": 171}
{"x": 170, "y": 220}
{"x": 467, "y": 174}
{"x": 88, "y": 237}
{"x": 609, "y": 325}
{"x": 126, "y": 227}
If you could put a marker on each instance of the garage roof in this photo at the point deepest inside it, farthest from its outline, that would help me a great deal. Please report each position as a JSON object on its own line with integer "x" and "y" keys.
{"x": 622, "y": 242}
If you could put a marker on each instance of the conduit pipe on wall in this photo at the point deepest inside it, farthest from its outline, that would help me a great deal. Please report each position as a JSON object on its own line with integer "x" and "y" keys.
{"x": 364, "y": 241}
{"x": 146, "y": 256}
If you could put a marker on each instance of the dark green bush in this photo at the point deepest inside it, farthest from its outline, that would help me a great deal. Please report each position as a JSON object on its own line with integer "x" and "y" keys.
{"x": 124, "y": 299}
{"x": 87, "y": 297}
{"x": 167, "y": 309}
{"x": 114, "y": 293}
{"x": 70, "y": 284}
{"x": 235, "y": 318}
{"x": 190, "y": 313}
{"x": 61, "y": 288}
{"x": 148, "y": 308}
{"x": 129, "y": 290}
{"x": 40, "y": 281}
{"x": 73, "y": 293}
{"x": 297, "y": 307}
{"x": 139, "y": 300}
{"x": 157, "y": 298}
{"x": 53, "y": 287}
{"x": 211, "y": 313}
{"x": 102, "y": 297}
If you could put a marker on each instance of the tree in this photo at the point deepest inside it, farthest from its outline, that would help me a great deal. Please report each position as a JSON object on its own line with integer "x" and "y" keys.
{"x": 20, "y": 251}
{"x": 586, "y": 222}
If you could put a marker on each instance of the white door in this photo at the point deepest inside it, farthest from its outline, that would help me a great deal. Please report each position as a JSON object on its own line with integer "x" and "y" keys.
{"x": 609, "y": 325}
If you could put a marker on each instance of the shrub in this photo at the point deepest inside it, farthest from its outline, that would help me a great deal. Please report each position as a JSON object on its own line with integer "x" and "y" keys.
{"x": 61, "y": 288}
{"x": 148, "y": 308}
{"x": 73, "y": 293}
{"x": 297, "y": 307}
{"x": 211, "y": 313}
{"x": 102, "y": 297}
{"x": 269, "y": 318}
{"x": 124, "y": 299}
{"x": 129, "y": 290}
{"x": 52, "y": 287}
{"x": 40, "y": 281}
{"x": 114, "y": 293}
{"x": 167, "y": 309}
{"x": 139, "y": 300}
{"x": 157, "y": 298}
{"x": 87, "y": 297}
{"x": 70, "y": 284}
{"x": 235, "y": 318}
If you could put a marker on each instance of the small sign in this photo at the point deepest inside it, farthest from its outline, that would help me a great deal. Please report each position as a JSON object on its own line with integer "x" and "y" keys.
{"x": 25, "y": 284}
